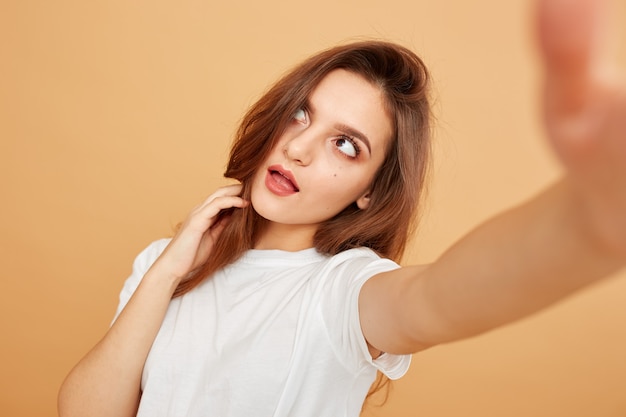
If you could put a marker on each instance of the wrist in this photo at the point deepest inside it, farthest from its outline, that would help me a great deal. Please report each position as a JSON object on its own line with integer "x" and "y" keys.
{"x": 599, "y": 237}
{"x": 161, "y": 276}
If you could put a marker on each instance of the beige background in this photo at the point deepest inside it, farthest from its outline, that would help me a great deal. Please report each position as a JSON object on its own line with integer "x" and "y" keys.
{"x": 115, "y": 119}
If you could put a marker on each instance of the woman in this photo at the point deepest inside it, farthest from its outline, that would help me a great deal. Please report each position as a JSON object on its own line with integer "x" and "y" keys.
{"x": 279, "y": 296}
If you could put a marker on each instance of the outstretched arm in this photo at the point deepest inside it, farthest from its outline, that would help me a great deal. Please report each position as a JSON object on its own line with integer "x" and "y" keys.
{"x": 527, "y": 258}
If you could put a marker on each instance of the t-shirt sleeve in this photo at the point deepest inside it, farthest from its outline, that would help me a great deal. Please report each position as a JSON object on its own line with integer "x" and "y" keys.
{"x": 341, "y": 311}
{"x": 142, "y": 263}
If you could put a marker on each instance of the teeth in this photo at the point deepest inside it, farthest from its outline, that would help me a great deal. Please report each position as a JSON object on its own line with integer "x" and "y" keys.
{"x": 287, "y": 178}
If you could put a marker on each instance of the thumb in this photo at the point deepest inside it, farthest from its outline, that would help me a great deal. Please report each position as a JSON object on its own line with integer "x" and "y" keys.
{"x": 571, "y": 36}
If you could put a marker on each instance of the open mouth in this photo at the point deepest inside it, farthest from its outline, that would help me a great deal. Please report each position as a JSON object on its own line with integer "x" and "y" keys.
{"x": 284, "y": 181}
{"x": 281, "y": 181}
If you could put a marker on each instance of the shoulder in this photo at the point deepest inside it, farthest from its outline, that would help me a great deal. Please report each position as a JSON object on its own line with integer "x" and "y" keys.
{"x": 143, "y": 262}
{"x": 341, "y": 311}
{"x": 150, "y": 253}
{"x": 347, "y": 271}
{"x": 361, "y": 262}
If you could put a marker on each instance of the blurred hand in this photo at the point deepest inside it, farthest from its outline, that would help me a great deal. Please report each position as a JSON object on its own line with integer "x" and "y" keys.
{"x": 585, "y": 114}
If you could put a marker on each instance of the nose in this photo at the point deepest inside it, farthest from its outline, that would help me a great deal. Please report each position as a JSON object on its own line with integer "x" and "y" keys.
{"x": 301, "y": 148}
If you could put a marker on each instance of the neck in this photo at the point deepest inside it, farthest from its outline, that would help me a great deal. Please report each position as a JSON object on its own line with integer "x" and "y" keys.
{"x": 286, "y": 237}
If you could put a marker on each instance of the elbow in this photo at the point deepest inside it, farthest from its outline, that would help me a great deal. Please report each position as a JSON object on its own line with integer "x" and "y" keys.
{"x": 81, "y": 397}
{"x": 72, "y": 399}
{"x": 64, "y": 403}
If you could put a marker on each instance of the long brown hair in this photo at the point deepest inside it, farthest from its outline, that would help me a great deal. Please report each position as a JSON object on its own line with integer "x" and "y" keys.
{"x": 386, "y": 225}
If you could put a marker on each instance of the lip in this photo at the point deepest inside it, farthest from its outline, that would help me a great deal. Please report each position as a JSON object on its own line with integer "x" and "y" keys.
{"x": 281, "y": 181}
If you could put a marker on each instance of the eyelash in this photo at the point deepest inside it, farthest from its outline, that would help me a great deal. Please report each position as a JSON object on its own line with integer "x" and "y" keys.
{"x": 357, "y": 148}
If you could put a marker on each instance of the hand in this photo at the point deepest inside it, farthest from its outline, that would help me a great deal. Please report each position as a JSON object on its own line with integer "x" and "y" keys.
{"x": 585, "y": 115}
{"x": 195, "y": 239}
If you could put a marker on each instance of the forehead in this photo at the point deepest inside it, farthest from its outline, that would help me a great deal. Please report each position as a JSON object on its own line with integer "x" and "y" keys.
{"x": 351, "y": 100}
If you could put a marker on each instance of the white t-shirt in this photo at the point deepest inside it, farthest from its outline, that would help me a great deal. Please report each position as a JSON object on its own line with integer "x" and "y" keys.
{"x": 274, "y": 334}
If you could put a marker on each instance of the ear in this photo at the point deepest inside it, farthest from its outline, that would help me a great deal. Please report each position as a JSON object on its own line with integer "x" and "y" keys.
{"x": 363, "y": 202}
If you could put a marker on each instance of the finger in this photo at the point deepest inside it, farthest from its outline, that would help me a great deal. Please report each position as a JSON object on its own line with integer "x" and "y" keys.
{"x": 206, "y": 215}
{"x": 572, "y": 39}
{"x": 229, "y": 190}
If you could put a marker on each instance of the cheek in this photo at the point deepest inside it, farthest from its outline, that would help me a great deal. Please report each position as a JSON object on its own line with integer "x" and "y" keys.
{"x": 342, "y": 190}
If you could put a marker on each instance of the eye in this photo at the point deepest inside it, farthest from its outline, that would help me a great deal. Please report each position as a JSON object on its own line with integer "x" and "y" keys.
{"x": 300, "y": 115}
{"x": 347, "y": 146}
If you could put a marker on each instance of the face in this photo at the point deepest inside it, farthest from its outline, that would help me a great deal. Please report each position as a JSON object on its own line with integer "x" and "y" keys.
{"x": 327, "y": 156}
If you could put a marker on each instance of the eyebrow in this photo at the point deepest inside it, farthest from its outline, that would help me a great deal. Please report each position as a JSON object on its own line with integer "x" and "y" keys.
{"x": 348, "y": 130}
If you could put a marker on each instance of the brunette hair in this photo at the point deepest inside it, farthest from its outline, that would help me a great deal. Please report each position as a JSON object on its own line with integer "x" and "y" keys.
{"x": 386, "y": 225}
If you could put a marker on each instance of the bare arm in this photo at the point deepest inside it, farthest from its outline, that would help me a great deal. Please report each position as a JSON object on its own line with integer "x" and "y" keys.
{"x": 511, "y": 266}
{"x": 527, "y": 258}
{"x": 107, "y": 380}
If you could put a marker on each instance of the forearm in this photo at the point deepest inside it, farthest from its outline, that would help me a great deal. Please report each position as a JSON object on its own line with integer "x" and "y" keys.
{"x": 511, "y": 266}
{"x": 107, "y": 380}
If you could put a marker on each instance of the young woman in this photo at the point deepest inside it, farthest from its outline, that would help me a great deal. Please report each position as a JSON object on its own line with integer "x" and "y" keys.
{"x": 279, "y": 296}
